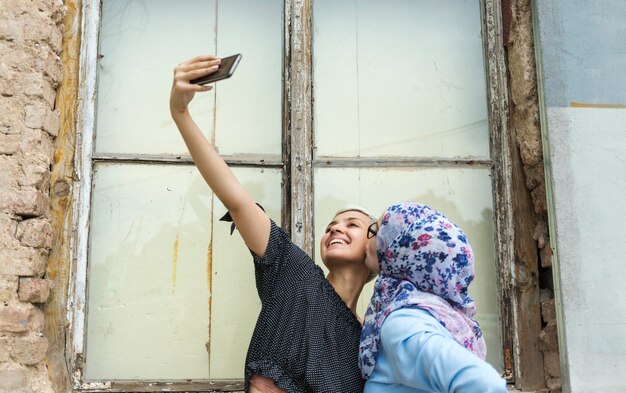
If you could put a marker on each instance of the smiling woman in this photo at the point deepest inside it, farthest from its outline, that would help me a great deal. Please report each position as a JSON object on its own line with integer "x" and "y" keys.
{"x": 344, "y": 235}
{"x": 304, "y": 301}
{"x": 295, "y": 295}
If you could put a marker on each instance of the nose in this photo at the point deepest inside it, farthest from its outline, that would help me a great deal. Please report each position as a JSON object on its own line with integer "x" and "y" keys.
{"x": 336, "y": 228}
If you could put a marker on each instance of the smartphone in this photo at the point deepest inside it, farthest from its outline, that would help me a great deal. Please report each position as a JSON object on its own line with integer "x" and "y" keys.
{"x": 225, "y": 70}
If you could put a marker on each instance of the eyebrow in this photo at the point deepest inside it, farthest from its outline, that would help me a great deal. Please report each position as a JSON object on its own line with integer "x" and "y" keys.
{"x": 347, "y": 219}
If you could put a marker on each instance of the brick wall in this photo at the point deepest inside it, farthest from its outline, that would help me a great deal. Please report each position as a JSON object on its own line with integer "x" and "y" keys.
{"x": 30, "y": 71}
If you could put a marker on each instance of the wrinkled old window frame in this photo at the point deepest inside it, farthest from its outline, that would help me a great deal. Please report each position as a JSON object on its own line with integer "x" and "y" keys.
{"x": 298, "y": 163}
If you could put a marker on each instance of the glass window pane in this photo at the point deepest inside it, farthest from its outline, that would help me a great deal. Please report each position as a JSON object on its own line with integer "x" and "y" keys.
{"x": 399, "y": 78}
{"x": 235, "y": 302}
{"x": 153, "y": 263}
{"x": 138, "y": 56}
{"x": 464, "y": 195}
{"x": 249, "y": 105}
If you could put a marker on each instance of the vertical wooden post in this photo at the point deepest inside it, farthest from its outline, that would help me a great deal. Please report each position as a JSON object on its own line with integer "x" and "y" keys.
{"x": 300, "y": 129}
{"x": 61, "y": 196}
{"x": 516, "y": 251}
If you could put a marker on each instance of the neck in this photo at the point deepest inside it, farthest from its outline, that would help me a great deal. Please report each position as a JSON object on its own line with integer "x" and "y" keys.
{"x": 348, "y": 284}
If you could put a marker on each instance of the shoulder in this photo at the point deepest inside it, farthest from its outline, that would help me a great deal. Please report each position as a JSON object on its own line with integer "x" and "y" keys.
{"x": 423, "y": 354}
{"x": 412, "y": 331}
{"x": 283, "y": 254}
{"x": 410, "y": 321}
{"x": 281, "y": 239}
{"x": 277, "y": 243}
{"x": 278, "y": 234}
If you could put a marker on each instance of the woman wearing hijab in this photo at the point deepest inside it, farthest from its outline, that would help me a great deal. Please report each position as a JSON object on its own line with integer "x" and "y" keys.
{"x": 307, "y": 335}
{"x": 419, "y": 334}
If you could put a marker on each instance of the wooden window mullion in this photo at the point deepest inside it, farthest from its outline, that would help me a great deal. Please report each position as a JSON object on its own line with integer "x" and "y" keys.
{"x": 300, "y": 128}
{"x": 519, "y": 308}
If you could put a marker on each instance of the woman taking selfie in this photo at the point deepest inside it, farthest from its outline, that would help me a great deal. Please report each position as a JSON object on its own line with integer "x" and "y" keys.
{"x": 306, "y": 338}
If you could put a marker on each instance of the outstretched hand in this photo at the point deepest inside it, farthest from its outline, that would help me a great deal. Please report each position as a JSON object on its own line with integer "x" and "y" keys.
{"x": 183, "y": 91}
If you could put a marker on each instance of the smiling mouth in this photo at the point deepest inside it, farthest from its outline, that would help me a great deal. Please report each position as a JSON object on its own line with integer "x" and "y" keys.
{"x": 337, "y": 241}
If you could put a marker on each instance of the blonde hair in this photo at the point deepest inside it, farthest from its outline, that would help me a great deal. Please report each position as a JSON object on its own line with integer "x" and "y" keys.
{"x": 349, "y": 208}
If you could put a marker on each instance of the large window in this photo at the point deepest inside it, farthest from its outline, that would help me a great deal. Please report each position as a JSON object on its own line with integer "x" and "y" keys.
{"x": 169, "y": 298}
{"x": 334, "y": 103}
{"x": 400, "y": 113}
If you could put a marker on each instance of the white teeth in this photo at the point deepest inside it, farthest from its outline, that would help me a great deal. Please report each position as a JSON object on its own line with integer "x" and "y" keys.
{"x": 336, "y": 241}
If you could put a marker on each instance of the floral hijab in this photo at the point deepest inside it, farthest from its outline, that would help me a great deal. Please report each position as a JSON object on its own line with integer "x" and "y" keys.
{"x": 425, "y": 262}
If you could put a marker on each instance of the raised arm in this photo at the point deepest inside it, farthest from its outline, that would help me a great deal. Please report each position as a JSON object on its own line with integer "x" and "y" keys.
{"x": 251, "y": 221}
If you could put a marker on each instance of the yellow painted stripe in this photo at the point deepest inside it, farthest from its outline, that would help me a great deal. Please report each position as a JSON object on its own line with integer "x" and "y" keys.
{"x": 175, "y": 261}
{"x": 590, "y": 105}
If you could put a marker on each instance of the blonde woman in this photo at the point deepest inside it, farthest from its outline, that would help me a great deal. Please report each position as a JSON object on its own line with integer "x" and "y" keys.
{"x": 307, "y": 335}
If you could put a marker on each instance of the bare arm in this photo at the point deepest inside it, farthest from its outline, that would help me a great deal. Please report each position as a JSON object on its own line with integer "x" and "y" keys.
{"x": 252, "y": 222}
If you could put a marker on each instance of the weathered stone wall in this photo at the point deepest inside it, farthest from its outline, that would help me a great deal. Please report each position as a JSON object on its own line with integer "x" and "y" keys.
{"x": 524, "y": 123}
{"x": 30, "y": 71}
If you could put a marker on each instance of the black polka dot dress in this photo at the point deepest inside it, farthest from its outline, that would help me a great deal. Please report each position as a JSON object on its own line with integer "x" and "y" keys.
{"x": 306, "y": 339}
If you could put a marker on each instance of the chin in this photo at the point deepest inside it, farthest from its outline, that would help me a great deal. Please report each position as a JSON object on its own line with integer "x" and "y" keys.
{"x": 342, "y": 259}
{"x": 335, "y": 260}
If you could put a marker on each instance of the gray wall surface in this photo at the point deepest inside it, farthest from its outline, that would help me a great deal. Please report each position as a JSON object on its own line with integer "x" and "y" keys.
{"x": 581, "y": 54}
{"x": 584, "y": 51}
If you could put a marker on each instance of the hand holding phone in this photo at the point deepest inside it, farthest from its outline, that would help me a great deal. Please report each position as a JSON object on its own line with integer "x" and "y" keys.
{"x": 225, "y": 70}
